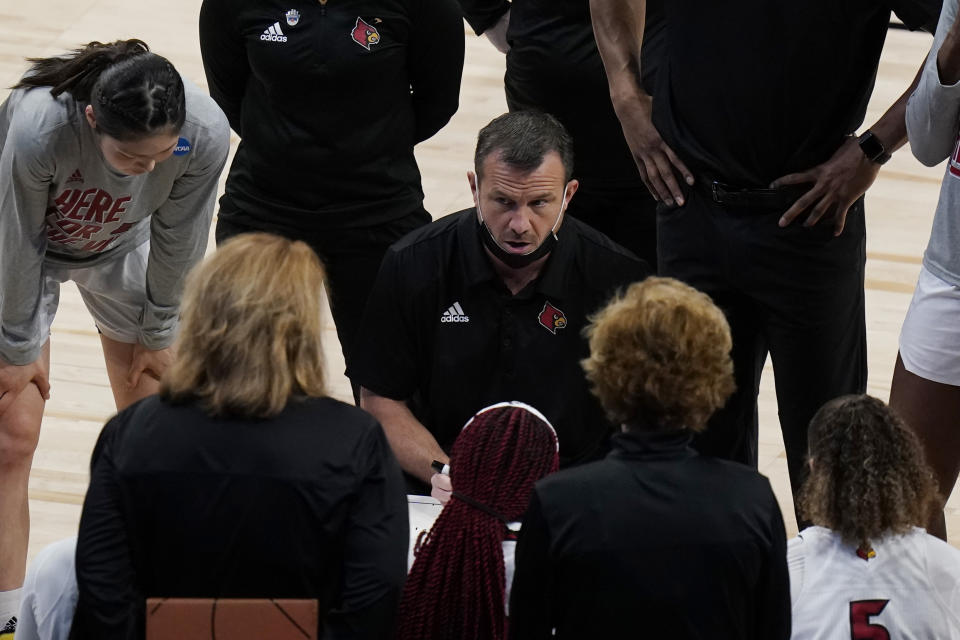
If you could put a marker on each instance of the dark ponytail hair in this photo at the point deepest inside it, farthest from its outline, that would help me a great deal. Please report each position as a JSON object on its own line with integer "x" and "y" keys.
{"x": 134, "y": 93}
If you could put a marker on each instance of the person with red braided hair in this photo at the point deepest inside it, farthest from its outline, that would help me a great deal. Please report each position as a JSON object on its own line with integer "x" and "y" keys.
{"x": 461, "y": 577}
{"x": 655, "y": 540}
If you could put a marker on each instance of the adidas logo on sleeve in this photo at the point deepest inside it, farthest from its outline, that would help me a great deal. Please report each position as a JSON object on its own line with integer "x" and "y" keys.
{"x": 273, "y": 34}
{"x": 454, "y": 314}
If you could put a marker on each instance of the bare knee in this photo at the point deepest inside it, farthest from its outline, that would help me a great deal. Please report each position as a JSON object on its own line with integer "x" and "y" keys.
{"x": 20, "y": 430}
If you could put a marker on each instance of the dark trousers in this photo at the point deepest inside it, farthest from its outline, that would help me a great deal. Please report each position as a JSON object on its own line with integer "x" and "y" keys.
{"x": 795, "y": 292}
{"x": 351, "y": 258}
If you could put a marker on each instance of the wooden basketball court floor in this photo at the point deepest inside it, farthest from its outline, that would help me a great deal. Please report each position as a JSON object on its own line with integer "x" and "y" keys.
{"x": 899, "y": 208}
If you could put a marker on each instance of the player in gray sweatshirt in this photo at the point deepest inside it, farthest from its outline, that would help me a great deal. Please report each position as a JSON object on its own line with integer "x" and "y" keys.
{"x": 108, "y": 173}
{"x": 926, "y": 380}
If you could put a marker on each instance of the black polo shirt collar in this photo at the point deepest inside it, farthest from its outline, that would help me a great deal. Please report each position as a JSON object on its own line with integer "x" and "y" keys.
{"x": 478, "y": 269}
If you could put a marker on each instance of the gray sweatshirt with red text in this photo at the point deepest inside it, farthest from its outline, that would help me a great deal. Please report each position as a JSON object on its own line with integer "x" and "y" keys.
{"x": 933, "y": 128}
{"x": 62, "y": 204}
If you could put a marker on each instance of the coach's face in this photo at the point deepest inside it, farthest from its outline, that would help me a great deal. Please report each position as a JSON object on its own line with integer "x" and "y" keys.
{"x": 520, "y": 208}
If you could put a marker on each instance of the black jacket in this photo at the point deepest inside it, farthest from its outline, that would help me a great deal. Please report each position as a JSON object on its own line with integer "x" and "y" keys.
{"x": 654, "y": 541}
{"x": 329, "y": 99}
{"x": 309, "y": 504}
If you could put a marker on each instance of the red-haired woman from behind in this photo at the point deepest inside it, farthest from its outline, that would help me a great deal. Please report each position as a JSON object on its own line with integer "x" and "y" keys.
{"x": 655, "y": 540}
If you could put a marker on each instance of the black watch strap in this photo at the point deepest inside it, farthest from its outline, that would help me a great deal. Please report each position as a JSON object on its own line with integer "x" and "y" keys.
{"x": 872, "y": 147}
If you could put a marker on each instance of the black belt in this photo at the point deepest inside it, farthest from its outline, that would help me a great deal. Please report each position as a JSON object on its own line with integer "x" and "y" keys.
{"x": 731, "y": 196}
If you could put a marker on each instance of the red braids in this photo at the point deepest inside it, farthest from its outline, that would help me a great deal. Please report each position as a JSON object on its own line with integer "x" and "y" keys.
{"x": 457, "y": 584}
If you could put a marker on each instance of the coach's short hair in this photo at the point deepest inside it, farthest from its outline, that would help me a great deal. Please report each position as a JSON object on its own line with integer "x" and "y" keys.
{"x": 523, "y": 139}
{"x": 660, "y": 356}
{"x": 868, "y": 477}
{"x": 250, "y": 335}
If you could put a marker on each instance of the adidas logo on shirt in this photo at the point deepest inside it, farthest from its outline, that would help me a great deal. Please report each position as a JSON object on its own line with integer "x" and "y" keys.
{"x": 76, "y": 177}
{"x": 273, "y": 34}
{"x": 454, "y": 314}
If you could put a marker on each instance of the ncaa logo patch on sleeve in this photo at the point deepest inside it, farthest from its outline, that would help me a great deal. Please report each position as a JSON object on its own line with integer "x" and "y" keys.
{"x": 183, "y": 147}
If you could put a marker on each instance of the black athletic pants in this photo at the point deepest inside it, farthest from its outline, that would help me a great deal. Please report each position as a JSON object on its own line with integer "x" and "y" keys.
{"x": 796, "y": 292}
{"x": 351, "y": 258}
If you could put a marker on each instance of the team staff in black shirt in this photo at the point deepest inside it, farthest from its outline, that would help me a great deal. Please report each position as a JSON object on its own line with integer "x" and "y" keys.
{"x": 553, "y": 65}
{"x": 466, "y": 314}
{"x": 241, "y": 479}
{"x": 756, "y": 102}
{"x": 655, "y": 541}
{"x": 329, "y": 99}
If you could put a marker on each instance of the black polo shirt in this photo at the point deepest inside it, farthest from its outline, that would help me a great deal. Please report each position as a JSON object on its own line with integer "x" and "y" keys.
{"x": 443, "y": 332}
{"x": 749, "y": 91}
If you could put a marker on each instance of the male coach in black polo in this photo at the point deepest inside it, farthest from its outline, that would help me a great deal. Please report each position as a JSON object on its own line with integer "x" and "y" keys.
{"x": 762, "y": 182}
{"x": 487, "y": 304}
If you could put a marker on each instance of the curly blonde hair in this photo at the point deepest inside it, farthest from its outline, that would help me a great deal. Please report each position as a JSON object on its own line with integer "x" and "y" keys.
{"x": 250, "y": 335}
{"x": 660, "y": 352}
{"x": 867, "y": 476}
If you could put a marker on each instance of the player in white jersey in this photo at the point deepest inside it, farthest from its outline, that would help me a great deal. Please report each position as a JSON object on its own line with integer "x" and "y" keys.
{"x": 866, "y": 571}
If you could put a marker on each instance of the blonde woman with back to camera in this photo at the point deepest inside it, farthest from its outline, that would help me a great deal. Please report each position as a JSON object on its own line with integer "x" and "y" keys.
{"x": 242, "y": 478}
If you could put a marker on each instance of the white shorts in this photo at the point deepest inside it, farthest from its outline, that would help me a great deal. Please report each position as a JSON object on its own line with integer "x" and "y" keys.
{"x": 49, "y": 595}
{"x": 930, "y": 337}
{"x": 114, "y": 293}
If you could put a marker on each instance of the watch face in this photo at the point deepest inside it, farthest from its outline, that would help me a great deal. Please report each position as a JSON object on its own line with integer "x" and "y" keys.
{"x": 873, "y": 148}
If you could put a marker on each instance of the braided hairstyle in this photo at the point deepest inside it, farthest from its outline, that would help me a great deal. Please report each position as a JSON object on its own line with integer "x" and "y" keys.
{"x": 456, "y": 587}
{"x": 134, "y": 93}
{"x": 868, "y": 477}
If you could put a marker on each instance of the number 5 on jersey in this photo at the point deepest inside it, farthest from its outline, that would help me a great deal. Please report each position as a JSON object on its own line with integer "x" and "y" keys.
{"x": 860, "y": 627}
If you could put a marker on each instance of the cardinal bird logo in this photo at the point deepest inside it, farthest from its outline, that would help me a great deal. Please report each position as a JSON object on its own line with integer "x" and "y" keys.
{"x": 364, "y": 34}
{"x": 552, "y": 318}
{"x": 866, "y": 554}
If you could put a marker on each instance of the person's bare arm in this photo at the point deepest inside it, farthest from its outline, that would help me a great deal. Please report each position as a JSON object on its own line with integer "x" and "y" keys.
{"x": 618, "y": 28}
{"x": 414, "y": 446}
{"x": 841, "y": 180}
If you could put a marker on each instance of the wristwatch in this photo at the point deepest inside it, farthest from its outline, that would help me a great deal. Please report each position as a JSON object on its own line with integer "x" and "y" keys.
{"x": 872, "y": 147}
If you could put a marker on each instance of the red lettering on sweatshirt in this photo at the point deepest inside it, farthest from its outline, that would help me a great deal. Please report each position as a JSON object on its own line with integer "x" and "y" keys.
{"x": 79, "y": 215}
{"x": 80, "y": 204}
{"x": 954, "y": 165}
{"x": 119, "y": 206}
{"x": 67, "y": 199}
{"x": 101, "y": 203}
